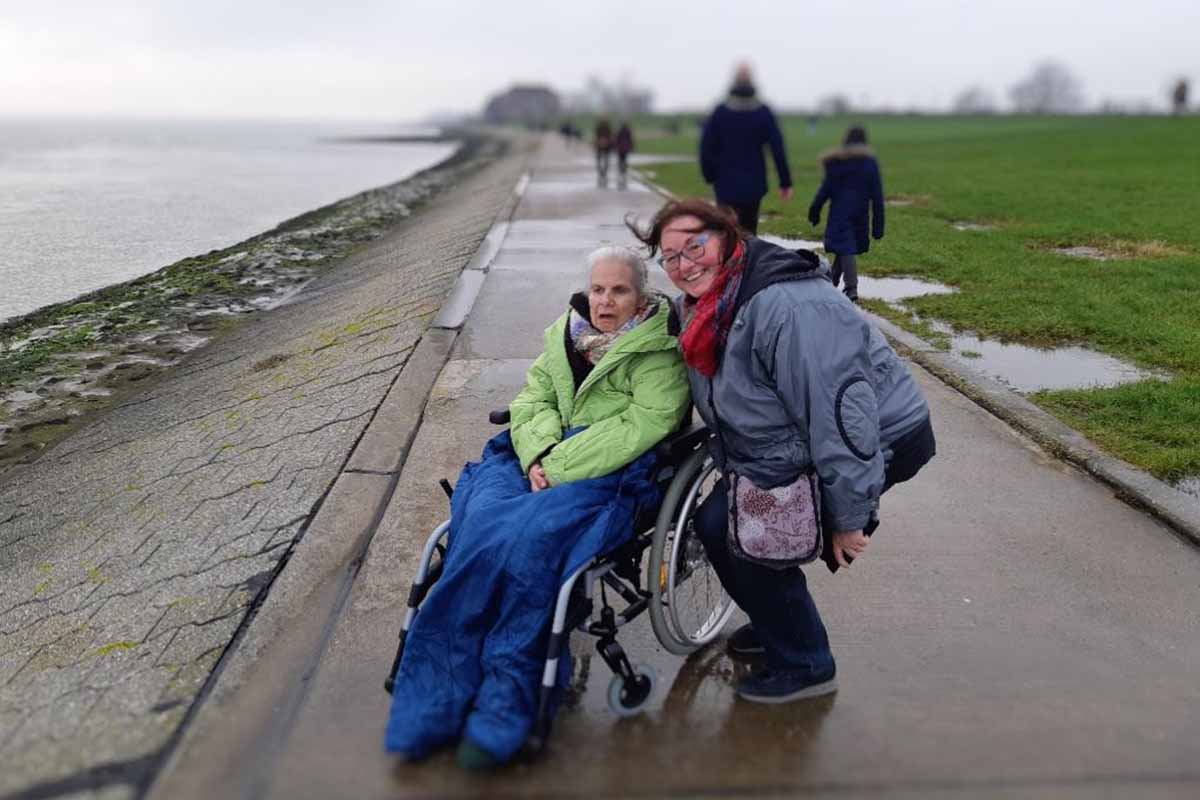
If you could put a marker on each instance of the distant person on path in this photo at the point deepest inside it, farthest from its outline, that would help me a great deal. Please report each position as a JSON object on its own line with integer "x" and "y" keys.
{"x": 731, "y": 151}
{"x": 559, "y": 487}
{"x": 795, "y": 385}
{"x": 852, "y": 182}
{"x": 1179, "y": 96}
{"x": 602, "y": 140}
{"x": 624, "y": 148}
{"x": 567, "y": 129}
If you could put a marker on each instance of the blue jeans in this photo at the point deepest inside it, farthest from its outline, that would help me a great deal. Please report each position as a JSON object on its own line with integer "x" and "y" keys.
{"x": 777, "y": 601}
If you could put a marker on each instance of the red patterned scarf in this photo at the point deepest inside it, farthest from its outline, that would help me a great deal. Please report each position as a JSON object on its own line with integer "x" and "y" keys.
{"x": 710, "y": 317}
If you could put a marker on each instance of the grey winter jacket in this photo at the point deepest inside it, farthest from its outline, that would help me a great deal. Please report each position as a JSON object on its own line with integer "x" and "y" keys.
{"x": 805, "y": 380}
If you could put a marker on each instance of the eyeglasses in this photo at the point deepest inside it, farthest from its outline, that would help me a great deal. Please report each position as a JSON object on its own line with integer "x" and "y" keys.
{"x": 692, "y": 251}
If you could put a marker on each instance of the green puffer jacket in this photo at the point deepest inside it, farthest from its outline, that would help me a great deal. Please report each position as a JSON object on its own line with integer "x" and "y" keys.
{"x": 630, "y": 401}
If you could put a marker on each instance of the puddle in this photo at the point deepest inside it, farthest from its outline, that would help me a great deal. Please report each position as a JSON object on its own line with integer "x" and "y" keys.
{"x": 905, "y": 200}
{"x": 1116, "y": 250}
{"x": 892, "y": 290}
{"x": 1031, "y": 369}
{"x": 793, "y": 244}
{"x": 638, "y": 159}
{"x": 1083, "y": 251}
{"x": 971, "y": 226}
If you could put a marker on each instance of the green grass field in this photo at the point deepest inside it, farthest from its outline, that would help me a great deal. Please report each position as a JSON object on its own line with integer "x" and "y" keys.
{"x": 1125, "y": 184}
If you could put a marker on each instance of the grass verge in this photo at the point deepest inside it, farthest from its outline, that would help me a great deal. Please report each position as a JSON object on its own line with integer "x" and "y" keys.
{"x": 1123, "y": 185}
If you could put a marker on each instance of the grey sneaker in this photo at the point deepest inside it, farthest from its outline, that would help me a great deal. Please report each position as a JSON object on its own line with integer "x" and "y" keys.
{"x": 770, "y": 685}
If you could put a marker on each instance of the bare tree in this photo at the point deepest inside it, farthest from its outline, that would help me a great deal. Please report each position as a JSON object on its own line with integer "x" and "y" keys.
{"x": 601, "y": 97}
{"x": 1179, "y": 96}
{"x": 974, "y": 100}
{"x": 834, "y": 104}
{"x": 1050, "y": 89}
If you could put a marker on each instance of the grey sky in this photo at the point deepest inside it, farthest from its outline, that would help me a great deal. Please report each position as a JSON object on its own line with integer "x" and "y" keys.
{"x": 405, "y": 58}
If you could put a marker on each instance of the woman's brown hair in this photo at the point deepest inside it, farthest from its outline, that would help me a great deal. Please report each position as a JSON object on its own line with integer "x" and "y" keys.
{"x": 712, "y": 217}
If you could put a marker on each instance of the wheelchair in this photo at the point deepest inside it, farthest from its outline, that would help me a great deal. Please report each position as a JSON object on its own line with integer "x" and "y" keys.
{"x": 688, "y": 606}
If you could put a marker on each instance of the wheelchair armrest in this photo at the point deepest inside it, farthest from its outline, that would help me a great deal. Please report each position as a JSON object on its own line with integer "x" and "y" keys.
{"x": 679, "y": 445}
{"x": 500, "y": 417}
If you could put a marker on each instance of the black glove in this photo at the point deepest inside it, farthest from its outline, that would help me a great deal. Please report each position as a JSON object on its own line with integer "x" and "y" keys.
{"x": 814, "y": 215}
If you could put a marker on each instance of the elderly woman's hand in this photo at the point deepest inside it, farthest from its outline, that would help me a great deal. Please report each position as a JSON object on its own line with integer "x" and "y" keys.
{"x": 537, "y": 478}
{"x": 849, "y": 545}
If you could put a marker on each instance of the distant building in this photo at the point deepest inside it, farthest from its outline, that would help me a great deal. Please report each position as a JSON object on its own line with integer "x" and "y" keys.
{"x": 528, "y": 105}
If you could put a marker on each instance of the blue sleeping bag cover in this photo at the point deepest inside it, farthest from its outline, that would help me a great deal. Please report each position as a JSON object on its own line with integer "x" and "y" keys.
{"x": 474, "y": 655}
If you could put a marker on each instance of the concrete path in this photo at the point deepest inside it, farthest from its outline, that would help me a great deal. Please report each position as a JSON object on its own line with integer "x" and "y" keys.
{"x": 132, "y": 554}
{"x": 1016, "y": 631}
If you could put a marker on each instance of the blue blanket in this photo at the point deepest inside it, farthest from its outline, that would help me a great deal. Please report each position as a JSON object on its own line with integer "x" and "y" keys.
{"x": 474, "y": 655}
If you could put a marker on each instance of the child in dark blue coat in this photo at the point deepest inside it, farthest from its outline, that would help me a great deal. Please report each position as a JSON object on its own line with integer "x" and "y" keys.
{"x": 852, "y": 182}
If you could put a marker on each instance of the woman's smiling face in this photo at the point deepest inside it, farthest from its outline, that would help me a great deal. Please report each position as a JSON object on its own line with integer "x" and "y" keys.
{"x": 690, "y": 255}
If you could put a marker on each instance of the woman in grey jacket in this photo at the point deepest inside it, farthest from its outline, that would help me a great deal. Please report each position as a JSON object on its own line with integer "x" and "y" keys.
{"x": 791, "y": 378}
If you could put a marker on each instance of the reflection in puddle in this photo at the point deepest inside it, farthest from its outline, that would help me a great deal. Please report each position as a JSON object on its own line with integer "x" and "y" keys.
{"x": 894, "y": 289}
{"x": 1031, "y": 369}
{"x": 1024, "y": 368}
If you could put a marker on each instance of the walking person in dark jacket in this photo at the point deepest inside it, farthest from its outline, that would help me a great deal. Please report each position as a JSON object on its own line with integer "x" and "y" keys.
{"x": 624, "y": 148}
{"x": 731, "y": 151}
{"x": 852, "y": 181}
{"x": 602, "y": 139}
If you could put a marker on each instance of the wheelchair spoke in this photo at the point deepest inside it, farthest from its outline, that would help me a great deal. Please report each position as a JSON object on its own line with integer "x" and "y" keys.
{"x": 688, "y": 604}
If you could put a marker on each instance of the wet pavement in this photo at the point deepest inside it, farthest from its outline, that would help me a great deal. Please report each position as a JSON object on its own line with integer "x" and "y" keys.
{"x": 1015, "y": 630}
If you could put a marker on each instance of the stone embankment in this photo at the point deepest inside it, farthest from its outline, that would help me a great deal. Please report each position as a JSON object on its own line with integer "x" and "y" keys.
{"x": 134, "y": 550}
{"x": 63, "y": 363}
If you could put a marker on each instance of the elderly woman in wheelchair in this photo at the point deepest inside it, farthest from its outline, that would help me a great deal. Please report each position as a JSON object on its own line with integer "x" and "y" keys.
{"x": 559, "y": 503}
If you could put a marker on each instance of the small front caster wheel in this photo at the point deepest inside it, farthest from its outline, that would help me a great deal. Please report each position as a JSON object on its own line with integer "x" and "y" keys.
{"x": 629, "y": 698}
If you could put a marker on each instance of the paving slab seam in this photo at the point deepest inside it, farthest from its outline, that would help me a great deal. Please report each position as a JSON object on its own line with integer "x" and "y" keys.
{"x": 428, "y": 356}
{"x": 1133, "y": 486}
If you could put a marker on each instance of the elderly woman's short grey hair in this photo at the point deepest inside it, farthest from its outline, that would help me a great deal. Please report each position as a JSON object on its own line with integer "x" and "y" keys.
{"x": 623, "y": 255}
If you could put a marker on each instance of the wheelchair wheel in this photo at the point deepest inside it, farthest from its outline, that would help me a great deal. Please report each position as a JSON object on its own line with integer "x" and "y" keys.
{"x": 627, "y": 700}
{"x": 688, "y": 605}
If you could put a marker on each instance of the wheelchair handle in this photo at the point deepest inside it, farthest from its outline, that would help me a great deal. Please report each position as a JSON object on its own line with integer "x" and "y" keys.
{"x": 501, "y": 417}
